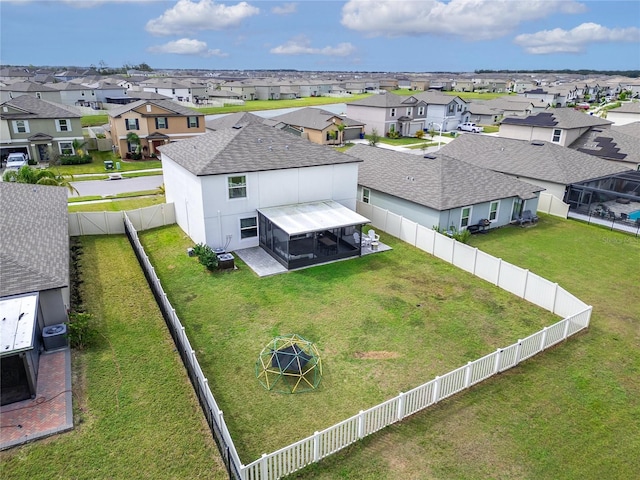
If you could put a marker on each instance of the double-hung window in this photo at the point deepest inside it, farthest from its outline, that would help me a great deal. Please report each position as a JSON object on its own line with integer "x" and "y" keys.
{"x": 21, "y": 126}
{"x": 366, "y": 194}
{"x": 162, "y": 122}
{"x": 493, "y": 210}
{"x": 393, "y": 112}
{"x": 557, "y": 133}
{"x": 192, "y": 122}
{"x": 237, "y": 186}
{"x": 465, "y": 216}
{"x": 420, "y": 111}
{"x": 66, "y": 148}
{"x": 63, "y": 125}
{"x": 409, "y": 111}
{"x": 131, "y": 123}
{"x": 248, "y": 227}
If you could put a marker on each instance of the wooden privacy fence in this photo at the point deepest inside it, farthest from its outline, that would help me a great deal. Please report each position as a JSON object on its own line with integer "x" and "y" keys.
{"x": 108, "y": 223}
{"x": 529, "y": 286}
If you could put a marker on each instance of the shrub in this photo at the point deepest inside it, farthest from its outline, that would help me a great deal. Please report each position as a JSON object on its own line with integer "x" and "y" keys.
{"x": 206, "y": 256}
{"x": 75, "y": 159}
{"x": 80, "y": 330}
{"x": 419, "y": 134}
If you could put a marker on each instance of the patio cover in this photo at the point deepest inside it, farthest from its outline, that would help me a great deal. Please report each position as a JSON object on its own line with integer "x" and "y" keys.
{"x": 16, "y": 328}
{"x": 312, "y": 217}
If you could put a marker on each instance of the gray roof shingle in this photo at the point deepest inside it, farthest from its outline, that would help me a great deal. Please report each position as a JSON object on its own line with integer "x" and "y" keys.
{"x": 36, "y": 108}
{"x": 34, "y": 244}
{"x": 313, "y": 118}
{"x": 440, "y": 183}
{"x": 251, "y": 148}
{"x": 565, "y": 118}
{"x": 537, "y": 160}
{"x": 168, "y": 105}
{"x": 228, "y": 121}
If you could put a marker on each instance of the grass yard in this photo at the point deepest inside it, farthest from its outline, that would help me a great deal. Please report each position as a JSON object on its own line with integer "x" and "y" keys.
{"x": 118, "y": 204}
{"x": 255, "y": 105}
{"x": 383, "y": 324}
{"x": 135, "y": 412}
{"x": 97, "y": 166}
{"x": 572, "y": 412}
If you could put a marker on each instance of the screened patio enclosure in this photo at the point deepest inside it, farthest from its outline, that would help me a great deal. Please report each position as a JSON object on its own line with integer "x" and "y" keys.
{"x": 309, "y": 233}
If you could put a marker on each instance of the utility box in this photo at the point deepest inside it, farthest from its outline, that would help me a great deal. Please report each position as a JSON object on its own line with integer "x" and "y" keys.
{"x": 226, "y": 261}
{"x": 54, "y": 336}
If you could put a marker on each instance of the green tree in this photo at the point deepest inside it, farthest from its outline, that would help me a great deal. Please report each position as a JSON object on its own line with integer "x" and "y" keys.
{"x": 374, "y": 138}
{"x": 32, "y": 176}
{"x": 78, "y": 146}
{"x": 340, "y": 127}
{"x": 134, "y": 139}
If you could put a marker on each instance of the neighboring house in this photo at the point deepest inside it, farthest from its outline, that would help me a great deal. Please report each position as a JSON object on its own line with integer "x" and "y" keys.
{"x": 173, "y": 89}
{"x": 545, "y": 164}
{"x": 155, "y": 122}
{"x": 232, "y": 120}
{"x": 15, "y": 75}
{"x": 420, "y": 84}
{"x": 254, "y": 185}
{"x": 481, "y": 114}
{"x": 34, "y": 279}
{"x": 389, "y": 113}
{"x": 627, "y": 113}
{"x": 540, "y": 97}
{"x": 521, "y": 86}
{"x": 242, "y": 89}
{"x": 559, "y": 125}
{"x": 320, "y": 126}
{"x": 73, "y": 94}
{"x": 442, "y": 109}
{"x": 37, "y": 90}
{"x": 463, "y": 85}
{"x": 509, "y": 106}
{"x": 437, "y": 190}
{"x": 610, "y": 144}
{"x": 38, "y": 128}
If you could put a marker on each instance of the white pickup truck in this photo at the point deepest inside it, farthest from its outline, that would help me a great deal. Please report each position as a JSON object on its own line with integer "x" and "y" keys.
{"x": 469, "y": 127}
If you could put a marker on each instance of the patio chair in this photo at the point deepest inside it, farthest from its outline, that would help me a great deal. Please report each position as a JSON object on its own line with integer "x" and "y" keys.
{"x": 373, "y": 236}
{"x": 362, "y": 241}
{"x": 527, "y": 217}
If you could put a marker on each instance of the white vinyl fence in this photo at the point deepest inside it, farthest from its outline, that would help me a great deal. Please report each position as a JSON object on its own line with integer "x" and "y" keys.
{"x": 529, "y": 286}
{"x": 552, "y": 205}
{"x": 108, "y": 223}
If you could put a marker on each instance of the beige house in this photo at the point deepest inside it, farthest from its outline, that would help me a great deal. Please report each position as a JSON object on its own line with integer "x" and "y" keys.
{"x": 155, "y": 122}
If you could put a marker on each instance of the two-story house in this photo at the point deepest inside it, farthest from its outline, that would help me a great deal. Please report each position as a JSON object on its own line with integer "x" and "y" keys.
{"x": 37, "y": 90}
{"x": 254, "y": 185}
{"x": 38, "y": 128}
{"x": 75, "y": 94}
{"x": 559, "y": 125}
{"x": 444, "y": 112}
{"x": 155, "y": 122}
{"x": 387, "y": 113}
{"x": 320, "y": 126}
{"x": 243, "y": 89}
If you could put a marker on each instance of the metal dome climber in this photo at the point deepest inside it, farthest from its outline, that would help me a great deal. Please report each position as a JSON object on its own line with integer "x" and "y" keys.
{"x": 289, "y": 364}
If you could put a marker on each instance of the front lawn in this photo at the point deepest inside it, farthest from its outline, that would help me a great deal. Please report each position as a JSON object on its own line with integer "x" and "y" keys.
{"x": 97, "y": 165}
{"x": 383, "y": 323}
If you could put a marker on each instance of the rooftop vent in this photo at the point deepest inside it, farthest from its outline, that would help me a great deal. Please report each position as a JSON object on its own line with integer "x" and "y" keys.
{"x": 537, "y": 143}
{"x": 431, "y": 157}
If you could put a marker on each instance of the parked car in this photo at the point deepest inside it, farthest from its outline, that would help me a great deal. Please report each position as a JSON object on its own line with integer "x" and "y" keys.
{"x": 16, "y": 160}
{"x": 469, "y": 127}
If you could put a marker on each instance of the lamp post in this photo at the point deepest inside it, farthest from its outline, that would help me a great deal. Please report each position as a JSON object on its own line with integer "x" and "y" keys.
{"x": 440, "y": 135}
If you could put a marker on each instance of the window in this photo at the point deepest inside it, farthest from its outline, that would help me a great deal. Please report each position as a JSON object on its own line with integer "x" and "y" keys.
{"x": 366, "y": 193}
{"x": 131, "y": 123}
{"x": 39, "y": 95}
{"x": 452, "y": 108}
{"x": 409, "y": 111}
{"x": 464, "y": 217}
{"x": 237, "y": 187}
{"x": 132, "y": 147}
{"x": 556, "y": 135}
{"x": 248, "y": 227}
{"x": 192, "y": 122}
{"x": 459, "y": 107}
{"x": 393, "y": 112}
{"x": 162, "y": 122}
{"x": 66, "y": 148}
{"x": 21, "y": 126}
{"x": 420, "y": 111}
{"x": 493, "y": 210}
{"x": 63, "y": 125}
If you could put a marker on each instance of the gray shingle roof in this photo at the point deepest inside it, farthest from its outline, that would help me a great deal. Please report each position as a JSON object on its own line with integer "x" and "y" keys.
{"x": 37, "y": 108}
{"x": 609, "y": 144}
{"x": 313, "y": 118}
{"x": 537, "y": 160}
{"x": 168, "y": 105}
{"x": 387, "y": 100}
{"x": 565, "y": 118}
{"x": 252, "y": 148}
{"x": 228, "y": 121}
{"x": 440, "y": 183}
{"x": 27, "y": 87}
{"x": 35, "y": 238}
{"x": 632, "y": 129}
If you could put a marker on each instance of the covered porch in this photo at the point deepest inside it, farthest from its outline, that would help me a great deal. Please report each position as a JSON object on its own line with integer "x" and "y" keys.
{"x": 310, "y": 233}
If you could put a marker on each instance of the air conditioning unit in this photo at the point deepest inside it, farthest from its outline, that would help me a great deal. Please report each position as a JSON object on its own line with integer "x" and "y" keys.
{"x": 55, "y": 336}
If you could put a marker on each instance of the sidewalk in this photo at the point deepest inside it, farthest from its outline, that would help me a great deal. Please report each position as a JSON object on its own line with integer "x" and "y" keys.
{"x": 442, "y": 139}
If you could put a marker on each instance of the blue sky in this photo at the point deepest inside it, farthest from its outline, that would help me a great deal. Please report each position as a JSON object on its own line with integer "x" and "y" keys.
{"x": 356, "y": 35}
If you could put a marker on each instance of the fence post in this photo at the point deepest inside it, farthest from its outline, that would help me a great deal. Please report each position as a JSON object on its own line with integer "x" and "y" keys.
{"x": 543, "y": 341}
{"x": 453, "y": 251}
{"x": 264, "y": 472}
{"x": 524, "y": 289}
{"x": 566, "y": 328}
{"x": 436, "y": 389}
{"x": 316, "y": 446}
{"x": 361, "y": 424}
{"x": 498, "y": 272}
{"x": 518, "y": 348}
{"x": 467, "y": 375}
{"x": 400, "y": 406}
{"x": 498, "y": 358}
{"x": 555, "y": 298}
{"x": 475, "y": 259}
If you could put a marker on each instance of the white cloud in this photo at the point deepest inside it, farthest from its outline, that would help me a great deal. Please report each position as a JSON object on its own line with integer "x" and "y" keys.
{"x": 471, "y": 19}
{"x": 187, "y": 46}
{"x": 188, "y": 16}
{"x": 574, "y": 40}
{"x": 285, "y": 9}
{"x": 302, "y": 46}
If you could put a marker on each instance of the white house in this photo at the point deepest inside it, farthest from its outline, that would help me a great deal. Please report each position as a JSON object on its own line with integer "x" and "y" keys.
{"x": 233, "y": 187}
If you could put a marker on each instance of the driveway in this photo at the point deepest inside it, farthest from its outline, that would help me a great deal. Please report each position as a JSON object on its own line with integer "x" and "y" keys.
{"x": 114, "y": 187}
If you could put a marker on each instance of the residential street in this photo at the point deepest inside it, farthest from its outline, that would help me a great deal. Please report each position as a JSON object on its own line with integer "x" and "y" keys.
{"x": 114, "y": 187}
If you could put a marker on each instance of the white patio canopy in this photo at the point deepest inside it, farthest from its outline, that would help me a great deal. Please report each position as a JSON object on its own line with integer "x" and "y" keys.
{"x": 312, "y": 217}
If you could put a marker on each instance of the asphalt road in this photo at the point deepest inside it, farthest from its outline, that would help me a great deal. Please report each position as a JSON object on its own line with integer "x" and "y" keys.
{"x": 114, "y": 187}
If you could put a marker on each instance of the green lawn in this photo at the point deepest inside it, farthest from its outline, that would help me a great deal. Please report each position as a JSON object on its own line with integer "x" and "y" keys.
{"x": 255, "y": 105}
{"x": 94, "y": 120}
{"x": 135, "y": 412}
{"x": 383, "y": 324}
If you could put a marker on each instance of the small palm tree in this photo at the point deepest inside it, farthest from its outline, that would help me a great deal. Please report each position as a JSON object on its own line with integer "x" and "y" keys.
{"x": 78, "y": 146}
{"x": 340, "y": 127}
{"x": 32, "y": 176}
